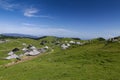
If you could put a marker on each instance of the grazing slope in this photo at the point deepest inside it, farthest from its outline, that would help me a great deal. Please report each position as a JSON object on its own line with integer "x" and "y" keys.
{"x": 93, "y": 61}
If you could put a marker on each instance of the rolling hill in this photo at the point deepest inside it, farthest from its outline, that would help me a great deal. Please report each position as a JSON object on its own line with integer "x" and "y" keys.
{"x": 92, "y": 61}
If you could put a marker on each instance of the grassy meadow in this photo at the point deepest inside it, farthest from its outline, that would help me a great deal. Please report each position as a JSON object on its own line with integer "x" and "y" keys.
{"x": 93, "y": 61}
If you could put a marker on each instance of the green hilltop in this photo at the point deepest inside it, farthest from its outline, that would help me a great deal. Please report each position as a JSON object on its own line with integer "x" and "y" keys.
{"x": 97, "y": 59}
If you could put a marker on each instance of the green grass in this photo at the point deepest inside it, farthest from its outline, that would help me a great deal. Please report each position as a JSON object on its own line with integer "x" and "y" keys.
{"x": 93, "y": 61}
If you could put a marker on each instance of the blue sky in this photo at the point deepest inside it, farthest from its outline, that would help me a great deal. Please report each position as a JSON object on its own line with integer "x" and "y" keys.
{"x": 67, "y": 18}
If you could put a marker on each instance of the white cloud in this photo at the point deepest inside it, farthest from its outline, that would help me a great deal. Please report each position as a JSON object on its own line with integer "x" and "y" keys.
{"x": 28, "y": 24}
{"x": 7, "y": 5}
{"x": 30, "y": 12}
{"x": 25, "y": 24}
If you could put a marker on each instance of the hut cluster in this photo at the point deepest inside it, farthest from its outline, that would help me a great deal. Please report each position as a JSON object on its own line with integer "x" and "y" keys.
{"x": 30, "y": 50}
{"x": 115, "y": 39}
{"x": 3, "y": 41}
{"x": 67, "y": 44}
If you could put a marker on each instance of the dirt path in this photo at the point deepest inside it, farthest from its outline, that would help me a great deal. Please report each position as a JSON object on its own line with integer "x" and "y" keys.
{"x": 25, "y": 58}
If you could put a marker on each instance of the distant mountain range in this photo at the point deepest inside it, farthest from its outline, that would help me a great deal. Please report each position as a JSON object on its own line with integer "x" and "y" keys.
{"x": 35, "y": 37}
{"x": 18, "y": 35}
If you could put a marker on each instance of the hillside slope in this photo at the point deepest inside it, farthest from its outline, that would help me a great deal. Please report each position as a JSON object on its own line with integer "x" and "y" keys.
{"x": 93, "y": 61}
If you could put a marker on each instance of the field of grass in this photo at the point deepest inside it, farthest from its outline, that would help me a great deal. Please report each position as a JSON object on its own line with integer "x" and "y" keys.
{"x": 93, "y": 61}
